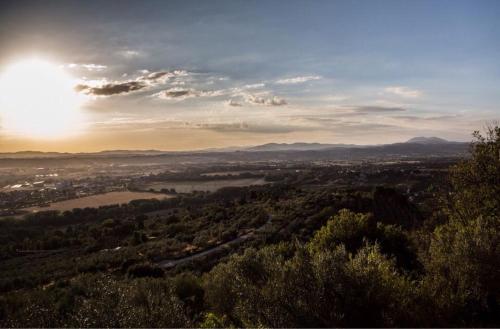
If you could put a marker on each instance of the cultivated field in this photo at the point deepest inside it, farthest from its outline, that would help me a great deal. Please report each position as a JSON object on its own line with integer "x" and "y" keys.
{"x": 210, "y": 186}
{"x": 99, "y": 200}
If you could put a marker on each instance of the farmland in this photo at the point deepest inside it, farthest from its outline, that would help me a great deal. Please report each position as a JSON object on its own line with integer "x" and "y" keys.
{"x": 99, "y": 200}
{"x": 209, "y": 186}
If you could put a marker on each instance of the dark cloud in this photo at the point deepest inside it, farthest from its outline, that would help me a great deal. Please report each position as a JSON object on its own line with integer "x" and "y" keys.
{"x": 80, "y": 88}
{"x": 177, "y": 93}
{"x": 183, "y": 93}
{"x": 111, "y": 88}
{"x": 148, "y": 80}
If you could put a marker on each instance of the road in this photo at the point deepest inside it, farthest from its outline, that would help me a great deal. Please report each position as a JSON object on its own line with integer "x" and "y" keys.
{"x": 170, "y": 263}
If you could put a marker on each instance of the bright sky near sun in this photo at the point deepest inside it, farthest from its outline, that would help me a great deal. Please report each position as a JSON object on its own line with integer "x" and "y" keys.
{"x": 177, "y": 75}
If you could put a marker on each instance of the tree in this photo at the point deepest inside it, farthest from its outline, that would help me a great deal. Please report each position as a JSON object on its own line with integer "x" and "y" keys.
{"x": 299, "y": 286}
{"x": 346, "y": 227}
{"x": 476, "y": 181}
{"x": 463, "y": 275}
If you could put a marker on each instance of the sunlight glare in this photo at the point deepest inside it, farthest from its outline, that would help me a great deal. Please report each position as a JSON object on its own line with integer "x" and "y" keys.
{"x": 38, "y": 100}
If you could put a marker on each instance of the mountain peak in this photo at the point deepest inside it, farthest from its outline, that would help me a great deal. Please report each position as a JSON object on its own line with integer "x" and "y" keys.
{"x": 295, "y": 147}
{"x": 427, "y": 140}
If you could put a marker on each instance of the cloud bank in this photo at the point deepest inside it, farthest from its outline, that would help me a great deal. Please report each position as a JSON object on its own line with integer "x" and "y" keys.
{"x": 111, "y": 88}
{"x": 146, "y": 80}
{"x": 403, "y": 91}
{"x": 299, "y": 79}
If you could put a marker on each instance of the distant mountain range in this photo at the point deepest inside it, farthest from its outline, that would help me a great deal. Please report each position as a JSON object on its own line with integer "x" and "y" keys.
{"x": 273, "y": 147}
{"x": 417, "y": 146}
{"x": 296, "y": 147}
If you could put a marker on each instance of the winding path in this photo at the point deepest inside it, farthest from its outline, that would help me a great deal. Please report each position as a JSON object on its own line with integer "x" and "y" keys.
{"x": 170, "y": 263}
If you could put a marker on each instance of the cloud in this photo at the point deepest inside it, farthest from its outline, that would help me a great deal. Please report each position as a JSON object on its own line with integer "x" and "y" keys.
{"x": 375, "y": 109}
{"x": 254, "y": 86}
{"x": 146, "y": 80}
{"x": 403, "y": 91}
{"x": 223, "y": 127}
{"x": 184, "y": 93}
{"x": 179, "y": 88}
{"x": 299, "y": 79}
{"x": 271, "y": 101}
{"x": 427, "y": 118}
{"x": 319, "y": 119}
{"x": 136, "y": 123}
{"x": 161, "y": 76}
{"x": 234, "y": 103}
{"x": 155, "y": 75}
{"x": 246, "y": 127}
{"x": 129, "y": 53}
{"x": 177, "y": 93}
{"x": 88, "y": 67}
{"x": 111, "y": 88}
{"x": 212, "y": 93}
{"x": 276, "y": 101}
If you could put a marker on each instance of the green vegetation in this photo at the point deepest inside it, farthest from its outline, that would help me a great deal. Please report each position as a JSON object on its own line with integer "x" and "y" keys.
{"x": 315, "y": 257}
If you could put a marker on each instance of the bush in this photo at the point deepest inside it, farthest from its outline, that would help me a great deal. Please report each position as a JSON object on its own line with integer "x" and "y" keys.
{"x": 346, "y": 227}
{"x": 272, "y": 288}
{"x": 98, "y": 301}
{"x": 463, "y": 272}
{"x": 144, "y": 270}
{"x": 476, "y": 181}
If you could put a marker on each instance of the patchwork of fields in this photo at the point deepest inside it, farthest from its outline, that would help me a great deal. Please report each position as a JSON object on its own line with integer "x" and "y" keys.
{"x": 127, "y": 196}
{"x": 209, "y": 186}
{"x": 99, "y": 200}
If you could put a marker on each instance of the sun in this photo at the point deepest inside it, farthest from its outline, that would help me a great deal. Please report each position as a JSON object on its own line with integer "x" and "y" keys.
{"x": 38, "y": 100}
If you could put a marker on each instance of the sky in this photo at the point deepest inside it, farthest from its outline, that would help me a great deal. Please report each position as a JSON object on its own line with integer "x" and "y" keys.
{"x": 185, "y": 75}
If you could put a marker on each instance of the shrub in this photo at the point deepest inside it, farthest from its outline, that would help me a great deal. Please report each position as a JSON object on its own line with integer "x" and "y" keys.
{"x": 144, "y": 270}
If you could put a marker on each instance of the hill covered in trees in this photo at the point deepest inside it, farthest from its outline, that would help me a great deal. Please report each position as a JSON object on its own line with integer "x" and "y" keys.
{"x": 313, "y": 256}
